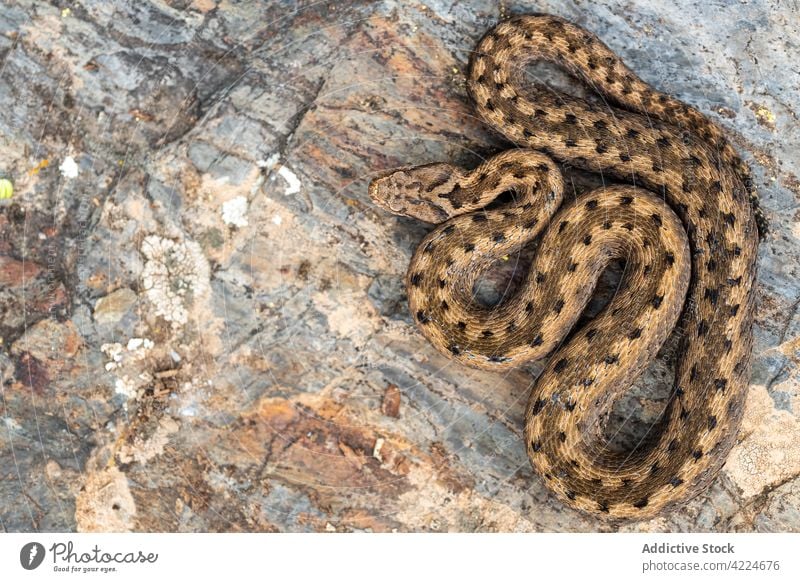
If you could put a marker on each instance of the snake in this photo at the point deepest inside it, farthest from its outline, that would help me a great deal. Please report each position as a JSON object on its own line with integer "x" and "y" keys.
{"x": 679, "y": 209}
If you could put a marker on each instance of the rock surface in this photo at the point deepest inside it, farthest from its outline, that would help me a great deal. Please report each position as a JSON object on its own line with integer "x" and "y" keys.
{"x": 202, "y": 316}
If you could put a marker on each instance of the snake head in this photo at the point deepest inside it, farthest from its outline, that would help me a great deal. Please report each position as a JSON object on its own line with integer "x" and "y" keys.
{"x": 414, "y": 192}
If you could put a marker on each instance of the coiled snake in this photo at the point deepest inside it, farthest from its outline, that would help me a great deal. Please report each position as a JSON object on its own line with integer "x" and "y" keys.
{"x": 691, "y": 212}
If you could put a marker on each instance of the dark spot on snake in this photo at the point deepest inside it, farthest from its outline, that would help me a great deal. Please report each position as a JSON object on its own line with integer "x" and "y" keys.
{"x": 563, "y": 225}
{"x": 729, "y": 218}
{"x": 737, "y": 250}
{"x": 527, "y": 134}
{"x": 601, "y": 148}
{"x": 444, "y": 305}
{"x": 499, "y": 237}
{"x": 662, "y": 98}
{"x": 727, "y": 344}
{"x": 697, "y": 454}
{"x": 720, "y": 384}
{"x": 540, "y": 113}
{"x": 624, "y": 157}
{"x": 543, "y": 167}
{"x": 626, "y": 200}
{"x": 642, "y": 503}
{"x": 489, "y": 105}
{"x": 591, "y": 64}
{"x": 416, "y": 279}
{"x": 540, "y": 277}
{"x": 656, "y": 219}
{"x": 712, "y": 295}
{"x": 449, "y": 229}
{"x": 679, "y": 392}
{"x": 442, "y": 283}
{"x": 716, "y": 187}
{"x": 572, "y": 266}
{"x": 570, "y": 143}
{"x": 562, "y": 436}
{"x": 586, "y": 382}
{"x": 591, "y": 204}
{"x": 628, "y": 226}
{"x": 654, "y": 468}
{"x": 559, "y": 305}
{"x": 529, "y": 307}
{"x": 684, "y": 414}
{"x": 602, "y": 506}
{"x": 422, "y": 317}
{"x": 702, "y": 328}
{"x": 656, "y": 167}
{"x": 479, "y": 217}
{"x": 487, "y": 333}
{"x": 711, "y": 265}
{"x": 676, "y": 481}
{"x": 587, "y": 240}
{"x": 607, "y": 224}
{"x": 461, "y": 325}
{"x": 560, "y": 365}
{"x": 712, "y": 422}
{"x": 454, "y": 349}
{"x": 693, "y": 373}
{"x": 600, "y": 124}
{"x": 536, "y": 446}
{"x": 537, "y": 341}
{"x": 531, "y": 223}
{"x": 571, "y": 495}
{"x": 538, "y": 406}
{"x": 496, "y": 358}
{"x": 647, "y": 269}
{"x": 570, "y": 119}
{"x": 632, "y": 134}
{"x": 734, "y": 310}
{"x": 591, "y": 334}
{"x": 609, "y": 360}
{"x": 428, "y": 247}
{"x": 469, "y": 247}
{"x": 635, "y": 334}
{"x": 673, "y": 444}
{"x": 735, "y": 282}
{"x": 656, "y": 302}
{"x": 669, "y": 258}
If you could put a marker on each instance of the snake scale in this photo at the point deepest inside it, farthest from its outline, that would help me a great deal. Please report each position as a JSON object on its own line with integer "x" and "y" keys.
{"x": 686, "y": 227}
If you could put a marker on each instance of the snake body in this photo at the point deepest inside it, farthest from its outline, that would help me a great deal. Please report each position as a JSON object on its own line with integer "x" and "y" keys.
{"x": 686, "y": 228}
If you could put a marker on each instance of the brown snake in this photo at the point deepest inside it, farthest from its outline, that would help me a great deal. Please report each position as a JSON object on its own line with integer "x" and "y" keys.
{"x": 692, "y": 217}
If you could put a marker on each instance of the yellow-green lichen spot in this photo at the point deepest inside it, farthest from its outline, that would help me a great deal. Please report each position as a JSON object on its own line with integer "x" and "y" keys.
{"x": 6, "y": 189}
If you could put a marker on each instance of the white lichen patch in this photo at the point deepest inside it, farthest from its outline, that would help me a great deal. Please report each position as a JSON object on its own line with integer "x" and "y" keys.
{"x": 292, "y": 181}
{"x": 69, "y": 168}
{"x": 114, "y": 354}
{"x": 234, "y": 212}
{"x": 175, "y": 277}
{"x": 126, "y": 387}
